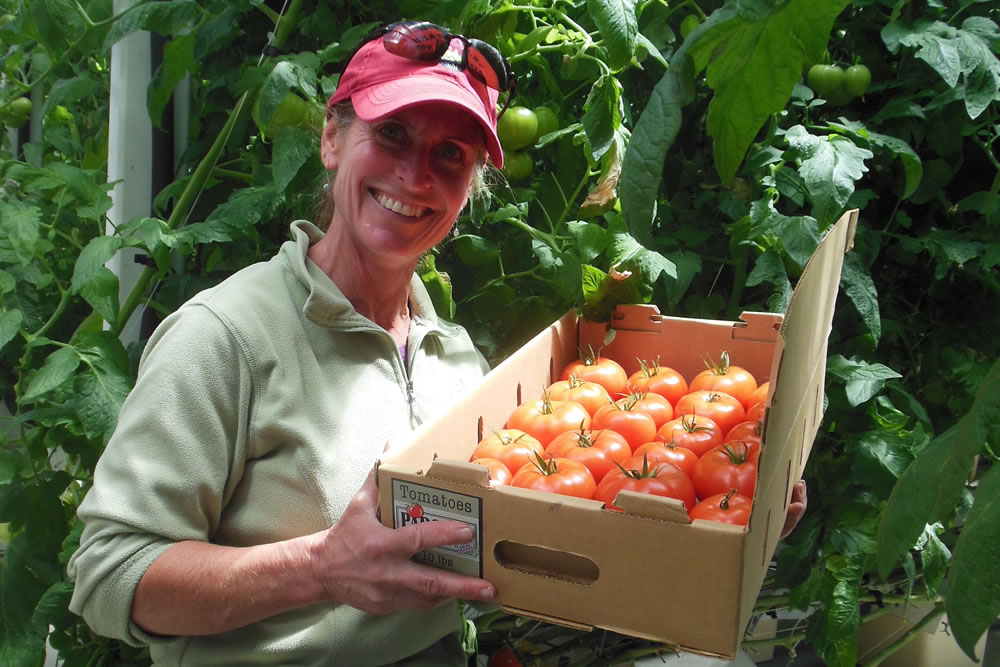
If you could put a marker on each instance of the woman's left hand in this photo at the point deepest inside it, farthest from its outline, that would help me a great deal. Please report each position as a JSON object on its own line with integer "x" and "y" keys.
{"x": 796, "y": 508}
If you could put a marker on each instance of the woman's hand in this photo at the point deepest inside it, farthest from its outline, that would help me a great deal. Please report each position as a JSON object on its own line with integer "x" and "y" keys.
{"x": 362, "y": 563}
{"x": 796, "y": 508}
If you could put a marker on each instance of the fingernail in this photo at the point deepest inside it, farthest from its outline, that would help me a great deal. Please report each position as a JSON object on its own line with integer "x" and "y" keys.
{"x": 487, "y": 593}
{"x": 466, "y": 534}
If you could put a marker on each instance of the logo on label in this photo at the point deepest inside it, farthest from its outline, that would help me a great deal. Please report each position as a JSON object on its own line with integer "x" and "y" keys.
{"x": 416, "y": 503}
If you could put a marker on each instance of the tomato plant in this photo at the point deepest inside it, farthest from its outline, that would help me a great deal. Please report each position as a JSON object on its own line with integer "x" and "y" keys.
{"x": 634, "y": 424}
{"x": 725, "y": 410}
{"x": 728, "y": 466}
{"x": 696, "y": 432}
{"x": 598, "y": 450}
{"x": 688, "y": 24}
{"x": 728, "y": 507}
{"x": 590, "y": 395}
{"x": 517, "y": 128}
{"x": 661, "y": 380}
{"x": 545, "y": 418}
{"x": 726, "y": 377}
{"x": 556, "y": 475}
{"x": 512, "y": 447}
{"x": 15, "y": 114}
{"x": 500, "y": 474}
{"x": 642, "y": 476}
{"x": 670, "y": 452}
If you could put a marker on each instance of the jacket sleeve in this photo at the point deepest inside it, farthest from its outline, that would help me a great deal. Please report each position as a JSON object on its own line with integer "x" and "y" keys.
{"x": 168, "y": 469}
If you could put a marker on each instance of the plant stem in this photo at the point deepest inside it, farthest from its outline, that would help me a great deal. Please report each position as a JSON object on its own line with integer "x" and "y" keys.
{"x": 288, "y": 22}
{"x": 184, "y": 205}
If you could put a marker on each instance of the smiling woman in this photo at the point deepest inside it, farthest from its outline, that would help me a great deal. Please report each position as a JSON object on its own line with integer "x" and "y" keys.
{"x": 235, "y": 521}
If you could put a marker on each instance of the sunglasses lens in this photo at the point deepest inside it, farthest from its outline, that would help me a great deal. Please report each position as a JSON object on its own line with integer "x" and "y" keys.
{"x": 489, "y": 65}
{"x": 421, "y": 41}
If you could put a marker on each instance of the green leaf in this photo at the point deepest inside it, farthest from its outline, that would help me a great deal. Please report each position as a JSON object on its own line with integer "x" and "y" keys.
{"x": 178, "y": 62}
{"x": 860, "y": 289}
{"x": 93, "y": 258}
{"x": 68, "y": 91}
{"x": 768, "y": 268}
{"x": 10, "y": 323}
{"x": 929, "y": 489}
{"x": 293, "y": 147}
{"x": 286, "y": 75}
{"x": 57, "y": 21}
{"x": 20, "y": 224}
{"x": 602, "y": 115}
{"x": 22, "y": 642}
{"x": 973, "y": 599}
{"x": 949, "y": 248}
{"x": 863, "y": 380}
{"x": 438, "y": 286}
{"x": 602, "y": 292}
{"x": 934, "y": 558}
{"x": 561, "y": 270}
{"x": 101, "y": 292}
{"x": 626, "y": 253}
{"x": 58, "y": 367}
{"x": 591, "y": 238}
{"x": 754, "y": 64}
{"x": 618, "y": 25}
{"x": 170, "y": 17}
{"x": 829, "y": 167}
{"x": 53, "y": 606}
{"x": 475, "y": 250}
{"x": 912, "y": 166}
{"x": 100, "y": 392}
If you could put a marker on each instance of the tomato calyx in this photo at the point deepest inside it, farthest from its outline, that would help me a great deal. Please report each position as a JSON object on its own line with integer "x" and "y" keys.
{"x": 546, "y": 466}
{"x": 506, "y": 438}
{"x": 720, "y": 368}
{"x": 689, "y": 422}
{"x": 640, "y": 474}
{"x": 589, "y": 357}
{"x": 738, "y": 452}
{"x": 650, "y": 370}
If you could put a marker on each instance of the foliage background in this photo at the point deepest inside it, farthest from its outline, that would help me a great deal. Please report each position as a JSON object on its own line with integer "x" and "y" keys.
{"x": 701, "y": 186}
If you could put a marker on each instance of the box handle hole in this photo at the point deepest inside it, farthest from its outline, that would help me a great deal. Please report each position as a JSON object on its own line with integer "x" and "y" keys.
{"x": 546, "y": 562}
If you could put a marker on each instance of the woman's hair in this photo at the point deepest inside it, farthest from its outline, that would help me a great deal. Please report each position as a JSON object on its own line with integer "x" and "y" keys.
{"x": 342, "y": 115}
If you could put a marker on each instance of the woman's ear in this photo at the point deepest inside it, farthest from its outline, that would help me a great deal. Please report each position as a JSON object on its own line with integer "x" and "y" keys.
{"x": 329, "y": 144}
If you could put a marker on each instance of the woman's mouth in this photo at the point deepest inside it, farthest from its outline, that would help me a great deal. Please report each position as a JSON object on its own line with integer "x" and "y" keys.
{"x": 399, "y": 207}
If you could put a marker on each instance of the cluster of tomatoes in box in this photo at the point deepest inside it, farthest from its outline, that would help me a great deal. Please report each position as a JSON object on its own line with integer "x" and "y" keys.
{"x": 597, "y": 431}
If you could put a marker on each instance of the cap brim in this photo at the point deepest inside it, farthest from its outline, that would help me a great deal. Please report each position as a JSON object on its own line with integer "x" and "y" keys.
{"x": 383, "y": 99}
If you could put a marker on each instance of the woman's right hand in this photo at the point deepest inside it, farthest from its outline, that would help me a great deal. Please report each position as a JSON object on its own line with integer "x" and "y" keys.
{"x": 362, "y": 563}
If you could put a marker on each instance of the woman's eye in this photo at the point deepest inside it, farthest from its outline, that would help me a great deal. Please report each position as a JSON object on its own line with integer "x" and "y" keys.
{"x": 391, "y": 131}
{"x": 450, "y": 151}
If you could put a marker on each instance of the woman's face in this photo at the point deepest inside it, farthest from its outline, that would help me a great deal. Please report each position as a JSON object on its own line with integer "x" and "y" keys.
{"x": 401, "y": 180}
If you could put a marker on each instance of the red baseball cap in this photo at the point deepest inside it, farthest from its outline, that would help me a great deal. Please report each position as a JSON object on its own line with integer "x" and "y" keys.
{"x": 379, "y": 83}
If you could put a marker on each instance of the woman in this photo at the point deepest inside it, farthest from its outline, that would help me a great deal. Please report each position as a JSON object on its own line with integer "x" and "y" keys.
{"x": 226, "y": 524}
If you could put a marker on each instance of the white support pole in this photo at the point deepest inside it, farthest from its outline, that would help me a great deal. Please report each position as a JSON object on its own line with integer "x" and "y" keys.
{"x": 130, "y": 153}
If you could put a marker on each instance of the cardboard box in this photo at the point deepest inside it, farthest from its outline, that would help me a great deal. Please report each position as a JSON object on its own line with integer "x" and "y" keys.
{"x": 648, "y": 572}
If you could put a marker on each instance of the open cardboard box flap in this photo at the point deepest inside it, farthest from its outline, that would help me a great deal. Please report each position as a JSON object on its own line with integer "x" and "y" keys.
{"x": 571, "y": 561}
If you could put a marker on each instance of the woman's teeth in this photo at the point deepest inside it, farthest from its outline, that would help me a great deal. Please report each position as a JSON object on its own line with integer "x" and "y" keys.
{"x": 397, "y": 206}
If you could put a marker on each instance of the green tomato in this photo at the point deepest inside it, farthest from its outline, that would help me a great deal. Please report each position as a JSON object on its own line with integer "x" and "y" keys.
{"x": 857, "y": 78}
{"x": 547, "y": 122}
{"x": 825, "y": 79}
{"x": 16, "y": 113}
{"x": 690, "y": 22}
{"x": 6, "y": 18}
{"x": 517, "y": 166}
{"x": 517, "y": 128}
{"x": 292, "y": 112}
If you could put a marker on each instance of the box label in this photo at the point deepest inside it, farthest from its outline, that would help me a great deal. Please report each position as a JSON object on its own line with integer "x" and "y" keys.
{"x": 417, "y": 503}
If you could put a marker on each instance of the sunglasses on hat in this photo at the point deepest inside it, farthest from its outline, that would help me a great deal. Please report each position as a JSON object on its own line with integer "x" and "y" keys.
{"x": 421, "y": 40}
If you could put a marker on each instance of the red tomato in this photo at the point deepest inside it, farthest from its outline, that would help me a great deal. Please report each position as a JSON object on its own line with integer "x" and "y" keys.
{"x": 598, "y": 450}
{"x": 758, "y": 396}
{"x": 564, "y": 476}
{"x": 658, "y": 450}
{"x": 756, "y": 412}
{"x": 729, "y": 507}
{"x": 728, "y": 466}
{"x": 512, "y": 447}
{"x": 722, "y": 408}
{"x": 696, "y": 432}
{"x": 588, "y": 394}
{"x": 503, "y": 657}
{"x": 640, "y": 475}
{"x": 748, "y": 431}
{"x": 724, "y": 377}
{"x": 500, "y": 474}
{"x": 658, "y": 407}
{"x": 658, "y": 379}
{"x": 544, "y": 418}
{"x": 592, "y": 367}
{"x": 637, "y": 426}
